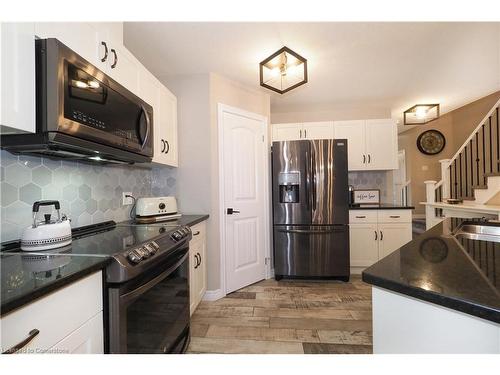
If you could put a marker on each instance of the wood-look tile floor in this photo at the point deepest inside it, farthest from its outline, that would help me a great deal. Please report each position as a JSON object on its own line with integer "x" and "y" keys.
{"x": 288, "y": 316}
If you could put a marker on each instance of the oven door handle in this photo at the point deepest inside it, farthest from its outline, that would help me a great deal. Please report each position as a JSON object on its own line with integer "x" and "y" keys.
{"x": 150, "y": 284}
{"x": 148, "y": 125}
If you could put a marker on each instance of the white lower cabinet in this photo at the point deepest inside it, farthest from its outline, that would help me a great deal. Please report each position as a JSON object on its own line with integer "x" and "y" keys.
{"x": 197, "y": 265}
{"x": 88, "y": 339}
{"x": 374, "y": 234}
{"x": 67, "y": 320}
{"x": 363, "y": 245}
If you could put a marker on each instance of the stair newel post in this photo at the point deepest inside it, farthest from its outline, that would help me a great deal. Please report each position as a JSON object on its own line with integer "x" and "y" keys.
{"x": 445, "y": 176}
{"x": 430, "y": 188}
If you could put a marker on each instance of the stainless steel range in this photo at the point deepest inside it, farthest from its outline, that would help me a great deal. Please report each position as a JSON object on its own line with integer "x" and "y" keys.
{"x": 147, "y": 283}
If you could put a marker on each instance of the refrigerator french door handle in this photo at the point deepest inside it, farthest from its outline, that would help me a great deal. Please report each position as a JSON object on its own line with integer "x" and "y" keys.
{"x": 308, "y": 183}
{"x": 313, "y": 167}
{"x": 305, "y": 231}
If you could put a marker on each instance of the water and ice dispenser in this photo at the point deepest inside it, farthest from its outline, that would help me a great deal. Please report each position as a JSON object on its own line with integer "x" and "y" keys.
{"x": 289, "y": 187}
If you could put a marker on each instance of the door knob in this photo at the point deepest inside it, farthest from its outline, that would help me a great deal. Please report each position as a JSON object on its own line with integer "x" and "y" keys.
{"x": 231, "y": 211}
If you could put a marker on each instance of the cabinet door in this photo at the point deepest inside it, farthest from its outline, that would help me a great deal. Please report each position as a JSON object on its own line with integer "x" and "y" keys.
{"x": 88, "y": 339}
{"x": 392, "y": 237}
{"x": 363, "y": 244}
{"x": 17, "y": 78}
{"x": 122, "y": 67}
{"x": 167, "y": 128}
{"x": 193, "y": 276}
{"x": 318, "y": 130}
{"x": 287, "y": 132}
{"x": 354, "y": 132}
{"x": 381, "y": 144}
{"x": 202, "y": 270}
{"x": 81, "y": 37}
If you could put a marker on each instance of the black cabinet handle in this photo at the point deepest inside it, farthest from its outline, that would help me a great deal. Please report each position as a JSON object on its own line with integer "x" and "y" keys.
{"x": 375, "y": 235}
{"x": 199, "y": 255}
{"x": 196, "y": 233}
{"x": 364, "y": 158}
{"x": 31, "y": 335}
{"x": 369, "y": 158}
{"x": 116, "y": 58}
{"x": 305, "y": 133}
{"x": 105, "y": 57}
{"x": 300, "y": 133}
{"x": 381, "y": 235}
{"x": 163, "y": 146}
{"x": 360, "y": 217}
{"x": 168, "y": 147}
{"x": 394, "y": 216}
{"x": 197, "y": 261}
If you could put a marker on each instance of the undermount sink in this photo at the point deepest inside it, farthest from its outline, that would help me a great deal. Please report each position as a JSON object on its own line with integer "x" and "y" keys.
{"x": 482, "y": 231}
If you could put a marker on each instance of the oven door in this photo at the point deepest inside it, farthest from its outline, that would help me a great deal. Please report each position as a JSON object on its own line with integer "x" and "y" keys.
{"x": 150, "y": 314}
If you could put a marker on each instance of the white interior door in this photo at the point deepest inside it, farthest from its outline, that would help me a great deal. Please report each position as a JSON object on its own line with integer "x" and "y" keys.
{"x": 244, "y": 171}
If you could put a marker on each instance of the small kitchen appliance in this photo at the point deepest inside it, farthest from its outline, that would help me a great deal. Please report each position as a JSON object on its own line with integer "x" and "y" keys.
{"x": 156, "y": 209}
{"x": 46, "y": 234}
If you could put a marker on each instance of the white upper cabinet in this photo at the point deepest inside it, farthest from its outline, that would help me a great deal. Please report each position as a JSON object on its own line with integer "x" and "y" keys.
{"x": 81, "y": 37}
{"x": 354, "y": 132}
{"x": 17, "y": 78}
{"x": 164, "y": 105}
{"x": 287, "y": 132}
{"x": 381, "y": 144}
{"x": 318, "y": 130}
{"x": 372, "y": 144}
{"x": 300, "y": 131}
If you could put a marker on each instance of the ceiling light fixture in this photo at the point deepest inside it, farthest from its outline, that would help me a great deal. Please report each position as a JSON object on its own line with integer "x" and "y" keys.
{"x": 421, "y": 114}
{"x": 283, "y": 71}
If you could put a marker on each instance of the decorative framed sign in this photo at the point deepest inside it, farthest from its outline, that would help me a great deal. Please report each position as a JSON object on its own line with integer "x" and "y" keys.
{"x": 367, "y": 196}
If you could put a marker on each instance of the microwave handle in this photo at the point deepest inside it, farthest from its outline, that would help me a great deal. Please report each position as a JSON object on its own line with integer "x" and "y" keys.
{"x": 148, "y": 125}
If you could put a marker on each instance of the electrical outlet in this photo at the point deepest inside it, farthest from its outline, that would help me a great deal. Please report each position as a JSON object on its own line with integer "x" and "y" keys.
{"x": 126, "y": 201}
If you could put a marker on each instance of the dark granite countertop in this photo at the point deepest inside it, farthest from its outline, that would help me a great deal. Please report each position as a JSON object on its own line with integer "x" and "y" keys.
{"x": 380, "y": 206}
{"x": 458, "y": 273}
{"x": 26, "y": 278}
{"x": 189, "y": 220}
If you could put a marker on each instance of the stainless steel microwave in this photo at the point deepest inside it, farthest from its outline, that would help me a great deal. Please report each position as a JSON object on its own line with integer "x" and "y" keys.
{"x": 81, "y": 113}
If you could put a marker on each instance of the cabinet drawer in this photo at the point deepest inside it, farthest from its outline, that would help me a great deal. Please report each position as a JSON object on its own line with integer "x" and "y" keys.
{"x": 55, "y": 316}
{"x": 88, "y": 339}
{"x": 199, "y": 231}
{"x": 394, "y": 216}
{"x": 362, "y": 216}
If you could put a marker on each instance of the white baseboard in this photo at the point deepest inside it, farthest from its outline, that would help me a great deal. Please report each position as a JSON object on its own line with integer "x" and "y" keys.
{"x": 213, "y": 295}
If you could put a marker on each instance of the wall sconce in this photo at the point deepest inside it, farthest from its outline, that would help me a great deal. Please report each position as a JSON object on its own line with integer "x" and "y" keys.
{"x": 283, "y": 71}
{"x": 421, "y": 114}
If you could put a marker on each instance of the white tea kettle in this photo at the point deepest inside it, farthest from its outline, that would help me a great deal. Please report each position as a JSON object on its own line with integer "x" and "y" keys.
{"x": 46, "y": 234}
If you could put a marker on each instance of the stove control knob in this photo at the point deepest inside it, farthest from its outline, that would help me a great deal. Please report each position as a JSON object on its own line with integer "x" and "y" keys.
{"x": 144, "y": 252}
{"x": 161, "y": 206}
{"x": 155, "y": 245}
{"x": 134, "y": 257}
{"x": 177, "y": 236}
{"x": 150, "y": 249}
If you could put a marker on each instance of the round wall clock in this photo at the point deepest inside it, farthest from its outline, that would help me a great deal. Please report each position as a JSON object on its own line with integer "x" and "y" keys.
{"x": 431, "y": 142}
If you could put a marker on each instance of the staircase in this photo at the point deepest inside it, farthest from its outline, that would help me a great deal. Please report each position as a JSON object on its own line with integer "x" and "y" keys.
{"x": 472, "y": 174}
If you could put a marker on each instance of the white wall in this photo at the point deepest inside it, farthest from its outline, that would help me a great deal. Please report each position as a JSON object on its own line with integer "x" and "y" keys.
{"x": 337, "y": 113}
{"x": 198, "y": 181}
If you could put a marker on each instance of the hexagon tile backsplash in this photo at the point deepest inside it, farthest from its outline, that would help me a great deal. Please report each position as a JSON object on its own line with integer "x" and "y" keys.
{"x": 88, "y": 193}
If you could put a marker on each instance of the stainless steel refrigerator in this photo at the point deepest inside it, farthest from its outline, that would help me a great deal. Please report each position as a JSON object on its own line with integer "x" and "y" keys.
{"x": 310, "y": 209}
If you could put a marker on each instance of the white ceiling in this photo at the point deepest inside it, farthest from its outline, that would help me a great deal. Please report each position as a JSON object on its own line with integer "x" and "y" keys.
{"x": 389, "y": 66}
